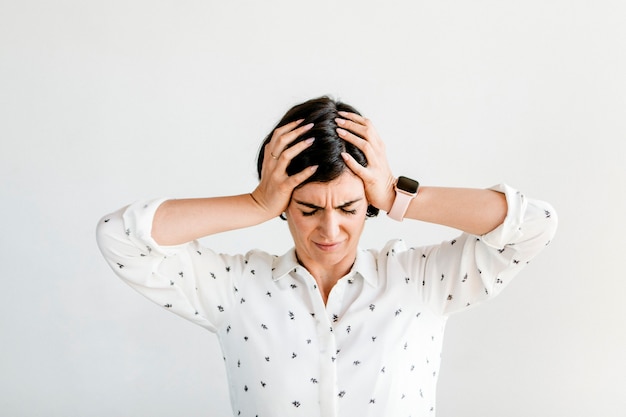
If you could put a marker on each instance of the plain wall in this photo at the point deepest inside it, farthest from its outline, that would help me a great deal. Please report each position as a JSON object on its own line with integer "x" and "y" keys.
{"x": 106, "y": 102}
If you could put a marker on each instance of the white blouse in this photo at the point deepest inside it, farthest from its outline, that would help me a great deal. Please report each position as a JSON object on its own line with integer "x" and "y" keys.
{"x": 373, "y": 350}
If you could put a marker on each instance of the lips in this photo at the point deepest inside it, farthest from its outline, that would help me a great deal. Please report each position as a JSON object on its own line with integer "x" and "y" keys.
{"x": 328, "y": 247}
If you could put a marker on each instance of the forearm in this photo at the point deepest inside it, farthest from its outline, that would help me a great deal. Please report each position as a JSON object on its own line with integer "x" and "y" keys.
{"x": 470, "y": 210}
{"x": 181, "y": 221}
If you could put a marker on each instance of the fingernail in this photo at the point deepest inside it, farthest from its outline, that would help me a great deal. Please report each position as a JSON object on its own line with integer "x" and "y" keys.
{"x": 309, "y": 141}
{"x": 345, "y": 155}
{"x": 314, "y": 168}
{"x": 343, "y": 113}
{"x": 341, "y": 131}
{"x": 340, "y": 122}
{"x": 310, "y": 125}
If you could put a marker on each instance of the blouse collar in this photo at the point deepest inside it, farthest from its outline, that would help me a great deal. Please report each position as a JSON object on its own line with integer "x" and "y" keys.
{"x": 364, "y": 266}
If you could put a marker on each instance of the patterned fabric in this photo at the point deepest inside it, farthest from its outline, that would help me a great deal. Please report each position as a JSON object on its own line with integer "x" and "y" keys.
{"x": 373, "y": 350}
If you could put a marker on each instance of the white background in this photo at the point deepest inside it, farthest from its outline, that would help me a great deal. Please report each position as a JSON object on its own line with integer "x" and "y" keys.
{"x": 106, "y": 102}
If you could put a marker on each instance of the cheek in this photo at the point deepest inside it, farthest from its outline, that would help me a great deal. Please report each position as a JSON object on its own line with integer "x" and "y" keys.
{"x": 298, "y": 225}
{"x": 355, "y": 224}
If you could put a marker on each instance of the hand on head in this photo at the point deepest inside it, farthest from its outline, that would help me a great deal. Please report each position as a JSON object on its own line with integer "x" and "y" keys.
{"x": 376, "y": 176}
{"x": 275, "y": 187}
{"x": 348, "y": 140}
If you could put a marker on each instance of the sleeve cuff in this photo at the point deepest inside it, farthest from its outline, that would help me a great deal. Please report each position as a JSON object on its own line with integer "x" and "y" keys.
{"x": 510, "y": 230}
{"x": 138, "y": 219}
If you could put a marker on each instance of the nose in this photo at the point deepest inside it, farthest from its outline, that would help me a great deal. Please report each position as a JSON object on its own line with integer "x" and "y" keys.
{"x": 329, "y": 225}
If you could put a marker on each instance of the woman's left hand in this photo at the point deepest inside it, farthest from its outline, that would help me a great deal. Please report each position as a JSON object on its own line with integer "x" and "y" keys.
{"x": 376, "y": 176}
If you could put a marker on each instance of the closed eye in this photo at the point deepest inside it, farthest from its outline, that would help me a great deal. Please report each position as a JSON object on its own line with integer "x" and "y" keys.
{"x": 343, "y": 208}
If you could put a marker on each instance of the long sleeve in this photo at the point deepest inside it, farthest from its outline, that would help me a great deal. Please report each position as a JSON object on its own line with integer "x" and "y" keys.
{"x": 469, "y": 269}
{"x": 188, "y": 280}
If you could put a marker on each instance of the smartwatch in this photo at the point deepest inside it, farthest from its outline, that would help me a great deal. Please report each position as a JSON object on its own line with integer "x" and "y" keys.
{"x": 406, "y": 190}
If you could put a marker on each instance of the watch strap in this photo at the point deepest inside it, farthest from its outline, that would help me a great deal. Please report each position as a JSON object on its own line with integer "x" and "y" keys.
{"x": 406, "y": 190}
{"x": 400, "y": 205}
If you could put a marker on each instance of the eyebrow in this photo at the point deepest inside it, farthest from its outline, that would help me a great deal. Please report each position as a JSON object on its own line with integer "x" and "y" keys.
{"x": 313, "y": 206}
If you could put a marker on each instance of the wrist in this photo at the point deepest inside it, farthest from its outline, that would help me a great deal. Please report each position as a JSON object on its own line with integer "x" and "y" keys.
{"x": 406, "y": 190}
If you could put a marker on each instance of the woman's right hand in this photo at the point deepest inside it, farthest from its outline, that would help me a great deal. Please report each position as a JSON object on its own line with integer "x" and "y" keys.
{"x": 273, "y": 193}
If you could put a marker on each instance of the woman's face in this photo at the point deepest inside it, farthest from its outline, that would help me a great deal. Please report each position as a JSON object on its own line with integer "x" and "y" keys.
{"x": 326, "y": 221}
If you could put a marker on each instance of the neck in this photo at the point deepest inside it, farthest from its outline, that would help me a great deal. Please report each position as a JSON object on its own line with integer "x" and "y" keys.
{"x": 326, "y": 276}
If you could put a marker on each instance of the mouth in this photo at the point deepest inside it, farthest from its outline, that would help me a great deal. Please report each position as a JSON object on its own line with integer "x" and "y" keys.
{"x": 328, "y": 247}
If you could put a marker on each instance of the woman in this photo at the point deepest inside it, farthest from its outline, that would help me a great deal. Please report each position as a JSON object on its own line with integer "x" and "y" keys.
{"x": 327, "y": 329}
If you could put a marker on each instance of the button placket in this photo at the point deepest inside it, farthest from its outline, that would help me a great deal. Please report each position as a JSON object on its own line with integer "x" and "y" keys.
{"x": 327, "y": 383}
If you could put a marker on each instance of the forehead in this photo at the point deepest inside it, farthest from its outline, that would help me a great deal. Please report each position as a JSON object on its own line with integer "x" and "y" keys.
{"x": 346, "y": 187}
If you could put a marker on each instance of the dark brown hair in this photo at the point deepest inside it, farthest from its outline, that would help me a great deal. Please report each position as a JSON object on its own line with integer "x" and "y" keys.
{"x": 328, "y": 146}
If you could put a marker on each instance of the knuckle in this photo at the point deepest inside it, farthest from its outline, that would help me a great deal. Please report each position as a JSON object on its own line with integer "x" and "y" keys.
{"x": 367, "y": 147}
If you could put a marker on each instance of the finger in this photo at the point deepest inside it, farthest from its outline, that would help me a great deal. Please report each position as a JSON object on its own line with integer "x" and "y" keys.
{"x": 357, "y": 141}
{"x": 353, "y": 116}
{"x": 282, "y": 138}
{"x": 357, "y": 168}
{"x": 288, "y": 154}
{"x": 288, "y": 127}
{"x": 301, "y": 176}
{"x": 365, "y": 131}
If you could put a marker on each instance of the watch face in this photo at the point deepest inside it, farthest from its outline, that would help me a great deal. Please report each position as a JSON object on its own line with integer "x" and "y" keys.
{"x": 407, "y": 184}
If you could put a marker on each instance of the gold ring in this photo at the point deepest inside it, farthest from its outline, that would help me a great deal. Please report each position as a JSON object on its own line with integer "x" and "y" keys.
{"x": 273, "y": 156}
